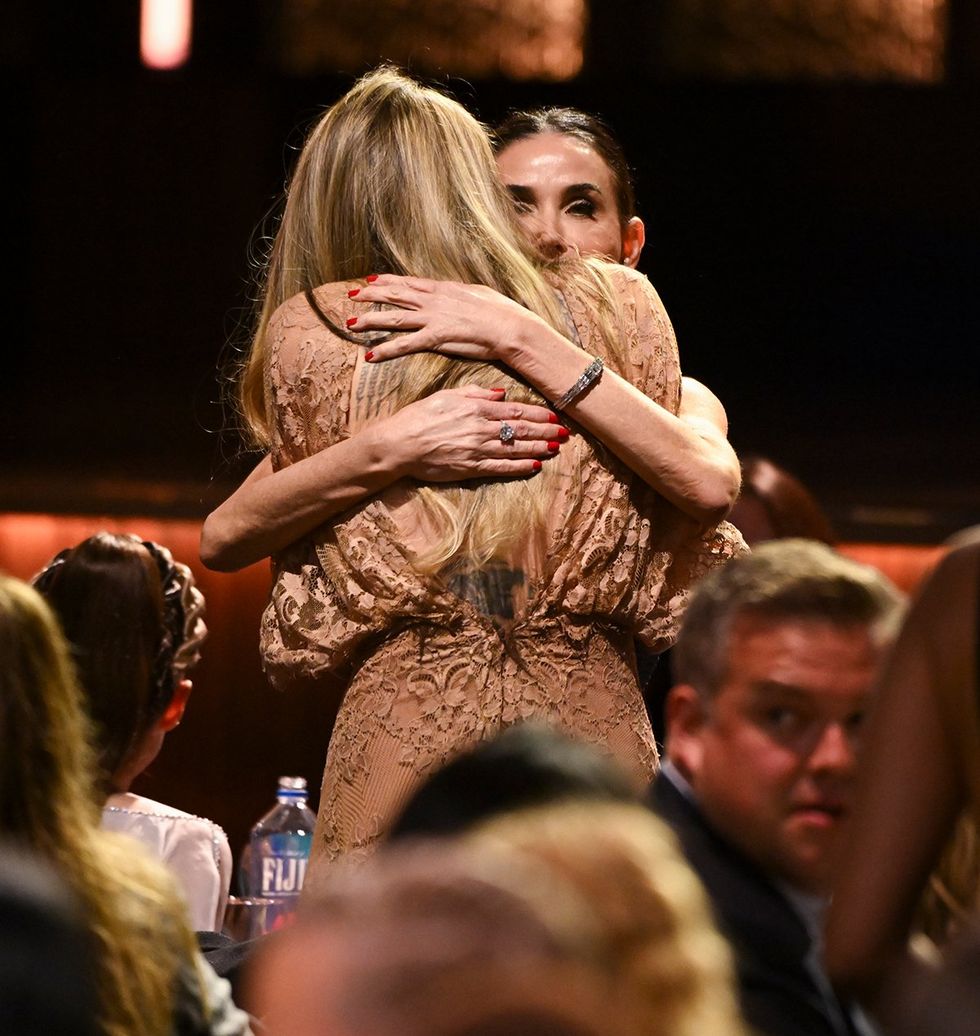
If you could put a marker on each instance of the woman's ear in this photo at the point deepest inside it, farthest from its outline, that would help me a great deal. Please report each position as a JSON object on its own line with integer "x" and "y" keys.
{"x": 634, "y": 237}
{"x": 174, "y": 712}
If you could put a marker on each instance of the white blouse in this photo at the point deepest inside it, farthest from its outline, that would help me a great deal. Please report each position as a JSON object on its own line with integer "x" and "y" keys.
{"x": 194, "y": 848}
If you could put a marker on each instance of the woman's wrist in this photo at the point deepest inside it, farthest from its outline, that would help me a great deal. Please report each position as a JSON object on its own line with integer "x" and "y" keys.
{"x": 544, "y": 357}
{"x": 387, "y": 448}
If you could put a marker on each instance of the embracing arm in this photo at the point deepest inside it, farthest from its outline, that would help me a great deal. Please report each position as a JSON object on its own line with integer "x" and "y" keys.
{"x": 270, "y": 510}
{"x": 687, "y": 458}
{"x": 910, "y": 787}
{"x": 450, "y": 435}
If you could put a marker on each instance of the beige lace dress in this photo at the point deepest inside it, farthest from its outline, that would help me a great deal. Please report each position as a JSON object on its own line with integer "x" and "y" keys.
{"x": 432, "y": 666}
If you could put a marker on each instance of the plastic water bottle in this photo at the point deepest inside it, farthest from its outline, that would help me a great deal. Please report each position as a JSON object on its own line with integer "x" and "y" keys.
{"x": 278, "y": 850}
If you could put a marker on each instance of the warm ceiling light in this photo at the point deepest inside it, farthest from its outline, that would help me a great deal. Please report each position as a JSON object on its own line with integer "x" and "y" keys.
{"x": 165, "y": 32}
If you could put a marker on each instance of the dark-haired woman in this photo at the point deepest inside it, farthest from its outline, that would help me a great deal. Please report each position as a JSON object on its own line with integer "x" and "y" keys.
{"x": 134, "y": 619}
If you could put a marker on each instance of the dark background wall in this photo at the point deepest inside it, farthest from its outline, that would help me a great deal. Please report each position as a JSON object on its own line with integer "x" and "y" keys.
{"x": 816, "y": 246}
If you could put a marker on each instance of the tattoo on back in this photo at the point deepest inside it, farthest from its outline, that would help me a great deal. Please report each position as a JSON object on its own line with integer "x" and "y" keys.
{"x": 375, "y": 385}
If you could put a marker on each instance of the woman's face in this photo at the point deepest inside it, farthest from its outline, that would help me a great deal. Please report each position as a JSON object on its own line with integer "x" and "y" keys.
{"x": 566, "y": 198}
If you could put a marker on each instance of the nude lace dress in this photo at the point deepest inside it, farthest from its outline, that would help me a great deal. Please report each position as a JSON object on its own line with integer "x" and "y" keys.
{"x": 432, "y": 666}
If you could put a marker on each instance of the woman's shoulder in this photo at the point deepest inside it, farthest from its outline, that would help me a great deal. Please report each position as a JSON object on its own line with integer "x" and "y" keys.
{"x": 317, "y": 308}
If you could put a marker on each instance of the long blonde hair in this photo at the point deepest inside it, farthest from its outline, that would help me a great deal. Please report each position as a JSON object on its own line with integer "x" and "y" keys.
{"x": 48, "y": 803}
{"x": 398, "y": 178}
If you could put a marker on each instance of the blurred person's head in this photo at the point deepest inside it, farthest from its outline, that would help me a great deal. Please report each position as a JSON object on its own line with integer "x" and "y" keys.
{"x": 438, "y": 940}
{"x": 775, "y": 505}
{"x": 571, "y": 184}
{"x": 134, "y": 620}
{"x": 49, "y": 805}
{"x": 653, "y": 927}
{"x": 774, "y": 669}
{"x": 527, "y": 765}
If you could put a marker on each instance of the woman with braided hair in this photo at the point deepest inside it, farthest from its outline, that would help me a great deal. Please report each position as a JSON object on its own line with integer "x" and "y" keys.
{"x": 134, "y": 620}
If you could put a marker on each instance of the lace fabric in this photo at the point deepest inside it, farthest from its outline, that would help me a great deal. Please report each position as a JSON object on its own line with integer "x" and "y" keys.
{"x": 427, "y": 672}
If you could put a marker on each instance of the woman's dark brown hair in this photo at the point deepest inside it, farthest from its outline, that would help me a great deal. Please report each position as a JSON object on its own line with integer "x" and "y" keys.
{"x": 108, "y": 595}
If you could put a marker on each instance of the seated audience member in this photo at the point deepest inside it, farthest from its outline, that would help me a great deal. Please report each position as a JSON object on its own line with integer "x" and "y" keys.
{"x": 134, "y": 620}
{"x": 572, "y": 919}
{"x": 775, "y": 665}
{"x": 47, "y": 982}
{"x": 775, "y": 505}
{"x": 920, "y": 772}
{"x": 530, "y": 764}
{"x": 653, "y": 925}
{"x": 150, "y": 979}
{"x": 430, "y": 940}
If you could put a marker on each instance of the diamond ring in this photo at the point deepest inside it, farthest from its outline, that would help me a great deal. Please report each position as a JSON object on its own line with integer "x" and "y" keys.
{"x": 506, "y": 432}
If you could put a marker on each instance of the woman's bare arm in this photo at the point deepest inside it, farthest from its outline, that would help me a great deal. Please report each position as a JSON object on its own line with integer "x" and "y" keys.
{"x": 910, "y": 787}
{"x": 450, "y": 435}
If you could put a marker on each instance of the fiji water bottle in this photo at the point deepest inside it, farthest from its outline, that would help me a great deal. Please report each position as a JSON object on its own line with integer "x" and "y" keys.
{"x": 278, "y": 851}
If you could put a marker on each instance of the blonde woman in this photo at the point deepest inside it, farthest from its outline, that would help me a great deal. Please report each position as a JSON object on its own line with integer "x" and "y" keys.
{"x": 151, "y": 980}
{"x": 445, "y": 612}
{"x": 444, "y": 940}
{"x": 571, "y": 187}
{"x": 574, "y": 919}
{"x": 651, "y": 923}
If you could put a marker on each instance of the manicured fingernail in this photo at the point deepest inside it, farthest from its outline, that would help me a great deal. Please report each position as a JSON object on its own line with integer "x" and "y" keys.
{"x": 369, "y": 356}
{"x": 536, "y": 465}
{"x": 371, "y": 278}
{"x": 562, "y": 433}
{"x": 553, "y": 446}
{"x": 552, "y": 419}
{"x": 498, "y": 390}
{"x": 352, "y": 321}
{"x": 351, "y": 294}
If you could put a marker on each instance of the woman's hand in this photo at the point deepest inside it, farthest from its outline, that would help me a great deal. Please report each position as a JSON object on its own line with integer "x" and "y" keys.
{"x": 466, "y": 320}
{"x": 455, "y": 434}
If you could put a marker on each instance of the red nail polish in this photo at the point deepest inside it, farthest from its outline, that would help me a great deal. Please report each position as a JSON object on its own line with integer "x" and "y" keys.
{"x": 351, "y": 294}
{"x": 352, "y": 321}
{"x": 552, "y": 419}
{"x": 553, "y": 446}
{"x": 498, "y": 390}
{"x": 371, "y": 278}
{"x": 369, "y": 356}
{"x": 536, "y": 465}
{"x": 562, "y": 433}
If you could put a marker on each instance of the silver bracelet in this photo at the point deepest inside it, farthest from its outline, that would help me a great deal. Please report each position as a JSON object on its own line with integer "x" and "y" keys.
{"x": 588, "y": 377}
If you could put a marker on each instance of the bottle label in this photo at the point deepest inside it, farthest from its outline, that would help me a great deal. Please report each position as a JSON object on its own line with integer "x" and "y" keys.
{"x": 282, "y": 875}
{"x": 279, "y": 864}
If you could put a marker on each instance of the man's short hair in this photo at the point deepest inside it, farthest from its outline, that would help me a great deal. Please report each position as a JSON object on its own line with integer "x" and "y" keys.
{"x": 781, "y": 580}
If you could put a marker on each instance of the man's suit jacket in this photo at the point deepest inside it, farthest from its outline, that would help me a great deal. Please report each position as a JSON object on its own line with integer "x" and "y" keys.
{"x": 779, "y": 994}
